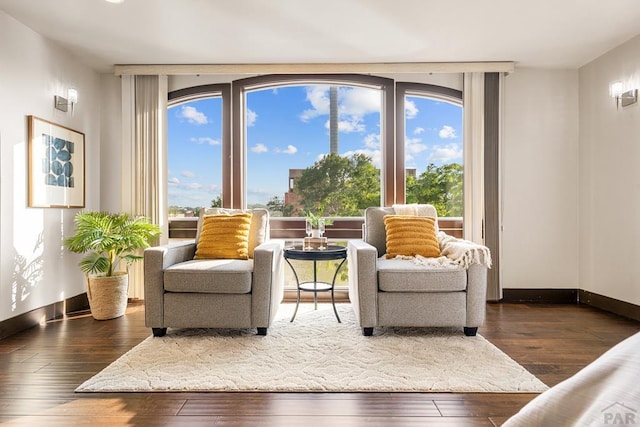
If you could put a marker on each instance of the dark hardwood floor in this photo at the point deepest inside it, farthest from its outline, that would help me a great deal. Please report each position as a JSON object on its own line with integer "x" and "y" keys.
{"x": 41, "y": 367}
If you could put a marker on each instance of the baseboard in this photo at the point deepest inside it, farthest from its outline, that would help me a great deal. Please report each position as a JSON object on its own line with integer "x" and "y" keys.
{"x": 77, "y": 304}
{"x": 571, "y": 296}
{"x": 541, "y": 296}
{"x": 35, "y": 317}
{"x": 612, "y": 305}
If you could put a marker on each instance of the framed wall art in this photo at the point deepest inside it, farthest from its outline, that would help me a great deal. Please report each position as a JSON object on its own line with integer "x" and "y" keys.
{"x": 56, "y": 165}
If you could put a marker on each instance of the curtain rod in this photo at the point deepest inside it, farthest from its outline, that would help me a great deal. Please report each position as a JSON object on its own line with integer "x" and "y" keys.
{"x": 312, "y": 68}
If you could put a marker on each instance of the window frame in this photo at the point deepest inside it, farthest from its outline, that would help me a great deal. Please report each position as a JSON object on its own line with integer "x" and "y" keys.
{"x": 404, "y": 89}
{"x": 195, "y": 93}
{"x": 392, "y": 137}
{"x": 241, "y": 87}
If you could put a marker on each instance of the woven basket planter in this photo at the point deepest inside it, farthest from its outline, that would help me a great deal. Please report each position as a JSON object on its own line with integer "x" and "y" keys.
{"x": 108, "y": 295}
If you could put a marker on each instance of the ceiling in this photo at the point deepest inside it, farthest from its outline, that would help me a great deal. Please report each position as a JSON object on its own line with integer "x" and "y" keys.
{"x": 541, "y": 33}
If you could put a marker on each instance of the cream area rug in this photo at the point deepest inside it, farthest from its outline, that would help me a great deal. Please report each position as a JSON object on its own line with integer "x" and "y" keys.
{"x": 315, "y": 353}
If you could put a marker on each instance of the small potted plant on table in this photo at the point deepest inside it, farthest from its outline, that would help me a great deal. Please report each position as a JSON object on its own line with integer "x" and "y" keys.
{"x": 108, "y": 239}
{"x": 315, "y": 231}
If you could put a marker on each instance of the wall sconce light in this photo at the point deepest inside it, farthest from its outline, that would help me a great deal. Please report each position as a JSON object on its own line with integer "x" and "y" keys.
{"x": 61, "y": 103}
{"x": 622, "y": 97}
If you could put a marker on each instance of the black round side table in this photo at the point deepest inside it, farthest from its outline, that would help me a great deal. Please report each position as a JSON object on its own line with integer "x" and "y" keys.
{"x": 330, "y": 253}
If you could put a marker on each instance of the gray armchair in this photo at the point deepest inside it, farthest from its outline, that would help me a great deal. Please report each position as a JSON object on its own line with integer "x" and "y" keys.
{"x": 400, "y": 292}
{"x": 183, "y": 292}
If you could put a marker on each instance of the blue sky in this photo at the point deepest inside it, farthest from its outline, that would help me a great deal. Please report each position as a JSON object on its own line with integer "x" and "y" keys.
{"x": 288, "y": 128}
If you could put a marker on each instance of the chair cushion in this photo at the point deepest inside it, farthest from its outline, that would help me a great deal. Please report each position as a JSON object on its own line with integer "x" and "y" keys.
{"x": 400, "y": 275}
{"x": 411, "y": 235}
{"x": 374, "y": 228}
{"x": 214, "y": 276}
{"x": 258, "y": 232}
{"x": 224, "y": 236}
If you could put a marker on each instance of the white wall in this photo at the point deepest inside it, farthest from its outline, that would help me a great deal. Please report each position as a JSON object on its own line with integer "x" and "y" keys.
{"x": 609, "y": 158}
{"x": 34, "y": 269}
{"x": 540, "y": 179}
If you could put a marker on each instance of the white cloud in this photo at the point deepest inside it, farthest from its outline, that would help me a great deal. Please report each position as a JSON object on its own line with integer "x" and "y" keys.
{"x": 252, "y": 116}
{"x": 318, "y": 96}
{"x": 193, "y": 194}
{"x": 290, "y": 150}
{"x": 359, "y": 101}
{"x": 445, "y": 154}
{"x": 414, "y": 145}
{"x": 348, "y": 126}
{"x": 174, "y": 181}
{"x": 259, "y": 148}
{"x": 372, "y": 141}
{"x": 193, "y": 115}
{"x": 205, "y": 140}
{"x": 418, "y": 130}
{"x": 410, "y": 109}
{"x": 188, "y": 174}
{"x": 353, "y": 125}
{"x": 447, "y": 132}
{"x": 353, "y": 103}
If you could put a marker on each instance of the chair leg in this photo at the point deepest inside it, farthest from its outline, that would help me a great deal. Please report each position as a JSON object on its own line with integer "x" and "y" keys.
{"x": 159, "y": 332}
{"x": 470, "y": 332}
{"x": 367, "y": 332}
{"x": 262, "y": 331}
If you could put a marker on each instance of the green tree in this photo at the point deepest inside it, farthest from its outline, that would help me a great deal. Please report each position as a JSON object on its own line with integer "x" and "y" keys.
{"x": 277, "y": 207}
{"x": 217, "y": 202}
{"x": 440, "y": 186}
{"x": 339, "y": 186}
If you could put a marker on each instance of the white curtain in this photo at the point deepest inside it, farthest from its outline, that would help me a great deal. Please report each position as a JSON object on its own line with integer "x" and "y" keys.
{"x": 144, "y": 181}
{"x": 473, "y": 99}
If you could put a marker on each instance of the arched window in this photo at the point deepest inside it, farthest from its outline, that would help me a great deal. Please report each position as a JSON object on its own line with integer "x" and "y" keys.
{"x": 430, "y": 132}
{"x": 312, "y": 143}
{"x": 325, "y": 143}
{"x": 198, "y": 133}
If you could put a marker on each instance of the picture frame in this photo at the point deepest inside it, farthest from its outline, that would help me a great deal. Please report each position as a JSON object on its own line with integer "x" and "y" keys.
{"x": 56, "y": 165}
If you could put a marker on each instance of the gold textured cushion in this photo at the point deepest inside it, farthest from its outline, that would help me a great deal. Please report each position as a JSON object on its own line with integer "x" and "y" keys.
{"x": 411, "y": 236}
{"x": 258, "y": 232}
{"x": 224, "y": 236}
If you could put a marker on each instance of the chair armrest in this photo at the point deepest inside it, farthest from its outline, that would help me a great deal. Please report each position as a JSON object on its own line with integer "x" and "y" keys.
{"x": 363, "y": 281}
{"x": 156, "y": 260}
{"x": 476, "y": 294}
{"x": 267, "y": 288}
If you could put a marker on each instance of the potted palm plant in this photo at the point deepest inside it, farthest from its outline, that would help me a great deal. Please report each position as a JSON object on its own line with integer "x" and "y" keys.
{"x": 110, "y": 241}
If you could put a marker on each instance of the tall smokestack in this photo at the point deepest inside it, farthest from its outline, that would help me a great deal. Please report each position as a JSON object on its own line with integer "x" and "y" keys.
{"x": 333, "y": 120}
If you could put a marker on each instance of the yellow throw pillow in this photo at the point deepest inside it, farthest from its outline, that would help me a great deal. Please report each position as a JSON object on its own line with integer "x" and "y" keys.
{"x": 224, "y": 236}
{"x": 411, "y": 236}
{"x": 258, "y": 232}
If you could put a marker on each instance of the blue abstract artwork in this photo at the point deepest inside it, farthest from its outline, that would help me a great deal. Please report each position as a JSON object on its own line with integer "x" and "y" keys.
{"x": 57, "y": 163}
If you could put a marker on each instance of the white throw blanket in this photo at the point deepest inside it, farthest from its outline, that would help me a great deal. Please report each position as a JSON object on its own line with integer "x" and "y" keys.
{"x": 440, "y": 262}
{"x": 455, "y": 252}
{"x": 416, "y": 209}
{"x": 464, "y": 252}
